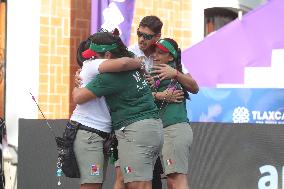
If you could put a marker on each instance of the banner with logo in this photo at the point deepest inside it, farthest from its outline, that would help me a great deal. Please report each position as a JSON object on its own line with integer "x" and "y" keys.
{"x": 239, "y": 70}
{"x": 237, "y": 105}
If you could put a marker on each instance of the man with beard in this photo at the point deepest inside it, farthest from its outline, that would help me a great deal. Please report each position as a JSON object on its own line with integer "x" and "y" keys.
{"x": 148, "y": 32}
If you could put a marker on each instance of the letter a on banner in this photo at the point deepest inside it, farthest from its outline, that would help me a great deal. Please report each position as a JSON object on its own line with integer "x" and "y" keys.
{"x": 270, "y": 179}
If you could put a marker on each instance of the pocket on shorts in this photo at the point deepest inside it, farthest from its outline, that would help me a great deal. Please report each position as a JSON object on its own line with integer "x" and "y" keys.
{"x": 89, "y": 137}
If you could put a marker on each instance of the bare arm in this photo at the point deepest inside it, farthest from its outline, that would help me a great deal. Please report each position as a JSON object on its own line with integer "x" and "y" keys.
{"x": 77, "y": 78}
{"x": 113, "y": 65}
{"x": 165, "y": 71}
{"x": 82, "y": 95}
{"x": 120, "y": 64}
{"x": 188, "y": 82}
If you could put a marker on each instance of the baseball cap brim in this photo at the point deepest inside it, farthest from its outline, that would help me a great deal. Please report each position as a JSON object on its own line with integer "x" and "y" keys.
{"x": 88, "y": 54}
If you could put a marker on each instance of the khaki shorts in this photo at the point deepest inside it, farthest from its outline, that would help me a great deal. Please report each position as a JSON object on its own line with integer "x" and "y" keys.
{"x": 175, "y": 152}
{"x": 138, "y": 147}
{"x": 88, "y": 148}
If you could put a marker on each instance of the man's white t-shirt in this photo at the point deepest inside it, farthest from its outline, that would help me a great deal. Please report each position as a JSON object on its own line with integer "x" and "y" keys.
{"x": 139, "y": 53}
{"x": 94, "y": 113}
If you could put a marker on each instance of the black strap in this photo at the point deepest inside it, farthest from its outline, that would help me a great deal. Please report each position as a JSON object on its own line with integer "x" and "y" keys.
{"x": 102, "y": 134}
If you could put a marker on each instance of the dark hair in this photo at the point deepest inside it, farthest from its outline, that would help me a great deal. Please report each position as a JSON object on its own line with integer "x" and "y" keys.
{"x": 107, "y": 38}
{"x": 178, "y": 62}
{"x": 84, "y": 45}
{"x": 152, "y": 22}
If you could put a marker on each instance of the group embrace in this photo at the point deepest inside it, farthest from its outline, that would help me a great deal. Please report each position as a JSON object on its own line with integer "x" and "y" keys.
{"x": 139, "y": 93}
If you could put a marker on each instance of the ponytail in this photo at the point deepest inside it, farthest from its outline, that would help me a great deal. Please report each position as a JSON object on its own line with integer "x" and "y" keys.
{"x": 179, "y": 68}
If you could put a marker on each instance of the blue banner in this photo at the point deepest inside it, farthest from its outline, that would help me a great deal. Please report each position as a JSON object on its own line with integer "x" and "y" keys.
{"x": 237, "y": 105}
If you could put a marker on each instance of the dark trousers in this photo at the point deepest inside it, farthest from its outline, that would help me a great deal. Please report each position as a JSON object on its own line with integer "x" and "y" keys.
{"x": 158, "y": 170}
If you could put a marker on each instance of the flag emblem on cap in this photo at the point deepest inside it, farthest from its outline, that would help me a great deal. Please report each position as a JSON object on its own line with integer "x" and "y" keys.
{"x": 95, "y": 169}
{"x": 169, "y": 161}
{"x": 127, "y": 169}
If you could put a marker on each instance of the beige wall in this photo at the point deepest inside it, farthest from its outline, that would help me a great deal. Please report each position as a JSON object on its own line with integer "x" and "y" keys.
{"x": 2, "y": 57}
{"x": 63, "y": 24}
{"x": 175, "y": 14}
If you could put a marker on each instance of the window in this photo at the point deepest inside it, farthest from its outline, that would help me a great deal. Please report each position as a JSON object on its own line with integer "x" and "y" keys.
{"x": 215, "y": 18}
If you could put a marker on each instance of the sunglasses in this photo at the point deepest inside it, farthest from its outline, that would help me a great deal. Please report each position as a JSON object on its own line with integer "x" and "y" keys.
{"x": 145, "y": 36}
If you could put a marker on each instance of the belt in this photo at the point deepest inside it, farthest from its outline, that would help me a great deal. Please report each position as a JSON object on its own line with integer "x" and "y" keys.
{"x": 102, "y": 134}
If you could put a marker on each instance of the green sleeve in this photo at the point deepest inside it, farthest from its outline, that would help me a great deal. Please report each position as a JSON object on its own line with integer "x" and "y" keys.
{"x": 104, "y": 84}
